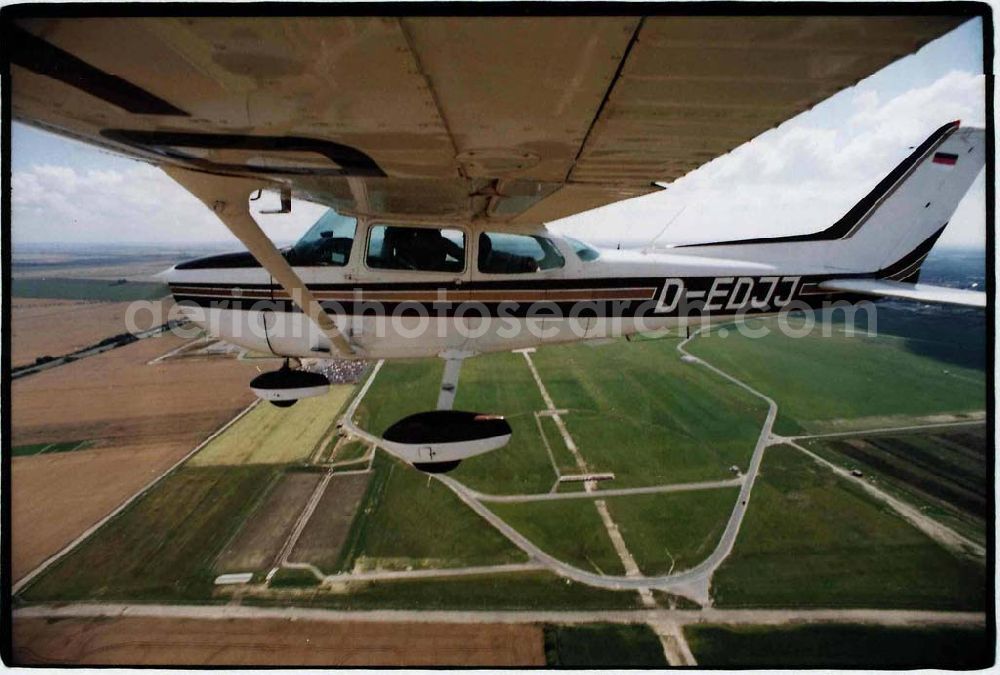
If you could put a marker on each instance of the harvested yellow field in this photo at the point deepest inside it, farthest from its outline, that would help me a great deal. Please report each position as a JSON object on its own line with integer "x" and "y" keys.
{"x": 272, "y": 435}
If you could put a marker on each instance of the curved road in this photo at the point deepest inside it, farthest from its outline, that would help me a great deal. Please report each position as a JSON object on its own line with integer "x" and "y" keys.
{"x": 693, "y": 582}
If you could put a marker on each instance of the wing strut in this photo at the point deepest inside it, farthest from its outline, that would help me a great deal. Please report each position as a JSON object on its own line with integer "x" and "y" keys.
{"x": 227, "y": 197}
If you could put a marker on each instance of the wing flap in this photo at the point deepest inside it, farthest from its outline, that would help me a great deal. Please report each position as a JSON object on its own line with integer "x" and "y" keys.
{"x": 737, "y": 77}
{"x": 904, "y": 291}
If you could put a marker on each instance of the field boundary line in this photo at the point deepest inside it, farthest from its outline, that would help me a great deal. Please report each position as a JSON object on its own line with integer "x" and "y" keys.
{"x": 348, "y": 415}
{"x": 553, "y": 412}
{"x": 303, "y": 520}
{"x": 198, "y": 342}
{"x": 548, "y": 451}
{"x": 890, "y": 430}
{"x": 888, "y": 617}
{"x": 614, "y": 492}
{"x": 432, "y": 573}
{"x": 83, "y": 536}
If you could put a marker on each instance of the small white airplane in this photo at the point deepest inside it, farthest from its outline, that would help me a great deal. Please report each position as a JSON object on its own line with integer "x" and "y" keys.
{"x": 439, "y": 185}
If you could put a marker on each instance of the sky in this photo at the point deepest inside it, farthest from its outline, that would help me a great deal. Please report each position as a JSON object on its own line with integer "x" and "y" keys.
{"x": 796, "y": 178}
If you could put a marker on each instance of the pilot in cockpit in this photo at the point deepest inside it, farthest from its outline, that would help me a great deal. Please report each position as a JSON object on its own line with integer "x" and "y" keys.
{"x": 424, "y": 249}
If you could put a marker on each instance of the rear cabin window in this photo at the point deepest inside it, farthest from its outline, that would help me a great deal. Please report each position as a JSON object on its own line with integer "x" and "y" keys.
{"x": 504, "y": 253}
{"x": 327, "y": 243}
{"x": 423, "y": 249}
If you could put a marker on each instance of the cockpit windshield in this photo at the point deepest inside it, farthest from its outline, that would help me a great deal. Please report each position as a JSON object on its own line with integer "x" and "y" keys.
{"x": 584, "y": 252}
{"x": 328, "y": 242}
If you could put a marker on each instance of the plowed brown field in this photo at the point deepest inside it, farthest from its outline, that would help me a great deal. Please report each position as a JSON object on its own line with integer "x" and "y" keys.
{"x": 258, "y": 543}
{"x": 253, "y": 642}
{"x": 140, "y": 418}
{"x": 58, "y": 327}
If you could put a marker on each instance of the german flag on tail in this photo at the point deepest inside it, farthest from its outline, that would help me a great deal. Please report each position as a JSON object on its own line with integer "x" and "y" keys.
{"x": 945, "y": 158}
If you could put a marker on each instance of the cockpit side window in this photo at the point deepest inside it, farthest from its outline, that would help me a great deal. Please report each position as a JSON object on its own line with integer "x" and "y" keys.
{"x": 505, "y": 253}
{"x": 584, "y": 252}
{"x": 422, "y": 249}
{"x": 327, "y": 243}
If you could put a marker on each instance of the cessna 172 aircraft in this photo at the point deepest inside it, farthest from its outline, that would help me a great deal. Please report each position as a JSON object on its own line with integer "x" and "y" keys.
{"x": 443, "y": 145}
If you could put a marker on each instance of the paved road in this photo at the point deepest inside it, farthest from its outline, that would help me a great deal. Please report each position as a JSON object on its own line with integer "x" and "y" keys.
{"x": 693, "y": 583}
{"x": 886, "y": 617}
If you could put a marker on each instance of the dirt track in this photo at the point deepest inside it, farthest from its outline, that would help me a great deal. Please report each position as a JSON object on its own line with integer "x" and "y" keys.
{"x": 141, "y": 419}
{"x": 56, "y": 327}
{"x": 250, "y": 642}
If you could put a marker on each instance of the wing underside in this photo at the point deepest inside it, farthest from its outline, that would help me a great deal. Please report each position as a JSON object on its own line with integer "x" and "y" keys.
{"x": 514, "y": 119}
{"x": 906, "y": 291}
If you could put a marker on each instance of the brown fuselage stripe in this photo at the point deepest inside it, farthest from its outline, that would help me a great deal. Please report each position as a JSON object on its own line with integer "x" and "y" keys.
{"x": 450, "y": 295}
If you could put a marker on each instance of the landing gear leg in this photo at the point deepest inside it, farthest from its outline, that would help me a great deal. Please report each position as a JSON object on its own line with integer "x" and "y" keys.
{"x": 449, "y": 380}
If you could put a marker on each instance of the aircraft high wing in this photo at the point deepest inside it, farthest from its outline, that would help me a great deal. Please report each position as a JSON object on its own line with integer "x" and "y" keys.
{"x": 443, "y": 144}
{"x": 517, "y": 120}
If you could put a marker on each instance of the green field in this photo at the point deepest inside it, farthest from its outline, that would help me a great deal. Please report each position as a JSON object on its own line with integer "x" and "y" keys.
{"x": 672, "y": 531}
{"x": 163, "y": 546}
{"x": 408, "y": 519}
{"x": 351, "y": 450}
{"x": 492, "y": 383}
{"x": 840, "y": 646}
{"x": 812, "y": 539}
{"x": 603, "y": 645}
{"x": 944, "y": 472}
{"x": 568, "y": 529}
{"x": 635, "y": 410}
{"x": 87, "y": 289}
{"x": 49, "y": 448}
{"x": 521, "y": 590}
{"x": 502, "y": 384}
{"x": 401, "y": 388}
{"x": 839, "y": 383}
{"x": 640, "y": 412}
{"x": 272, "y": 435}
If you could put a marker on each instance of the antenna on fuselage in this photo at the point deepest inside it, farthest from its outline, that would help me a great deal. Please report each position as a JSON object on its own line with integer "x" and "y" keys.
{"x": 649, "y": 247}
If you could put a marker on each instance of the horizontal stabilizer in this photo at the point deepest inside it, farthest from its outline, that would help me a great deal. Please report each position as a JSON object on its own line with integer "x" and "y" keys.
{"x": 898, "y": 289}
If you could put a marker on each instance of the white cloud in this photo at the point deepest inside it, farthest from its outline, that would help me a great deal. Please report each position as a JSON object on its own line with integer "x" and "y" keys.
{"x": 138, "y": 203}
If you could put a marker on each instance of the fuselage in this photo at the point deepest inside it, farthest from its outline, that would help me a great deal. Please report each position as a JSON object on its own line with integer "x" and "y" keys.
{"x": 488, "y": 291}
{"x": 400, "y": 289}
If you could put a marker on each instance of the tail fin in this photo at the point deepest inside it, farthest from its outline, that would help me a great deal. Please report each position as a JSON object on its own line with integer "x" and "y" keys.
{"x": 893, "y": 228}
